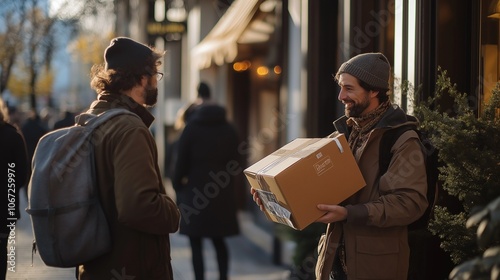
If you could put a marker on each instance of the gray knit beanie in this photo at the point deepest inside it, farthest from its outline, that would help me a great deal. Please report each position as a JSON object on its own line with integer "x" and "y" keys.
{"x": 371, "y": 68}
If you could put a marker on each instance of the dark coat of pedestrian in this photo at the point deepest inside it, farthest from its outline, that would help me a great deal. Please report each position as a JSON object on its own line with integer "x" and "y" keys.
{"x": 14, "y": 174}
{"x": 207, "y": 173}
{"x": 208, "y": 165}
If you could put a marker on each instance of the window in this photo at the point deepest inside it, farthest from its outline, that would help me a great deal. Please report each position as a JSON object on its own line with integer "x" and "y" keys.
{"x": 490, "y": 48}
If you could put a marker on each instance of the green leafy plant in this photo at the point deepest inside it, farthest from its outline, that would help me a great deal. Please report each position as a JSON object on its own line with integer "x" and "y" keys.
{"x": 470, "y": 156}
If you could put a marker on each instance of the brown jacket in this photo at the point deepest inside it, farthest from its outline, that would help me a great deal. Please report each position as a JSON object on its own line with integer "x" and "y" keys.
{"x": 375, "y": 232}
{"x": 140, "y": 214}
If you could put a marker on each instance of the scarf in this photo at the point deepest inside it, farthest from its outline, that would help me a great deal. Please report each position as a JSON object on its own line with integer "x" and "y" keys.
{"x": 360, "y": 129}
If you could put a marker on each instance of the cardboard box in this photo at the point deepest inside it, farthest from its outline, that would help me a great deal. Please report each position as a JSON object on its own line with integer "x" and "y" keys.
{"x": 293, "y": 180}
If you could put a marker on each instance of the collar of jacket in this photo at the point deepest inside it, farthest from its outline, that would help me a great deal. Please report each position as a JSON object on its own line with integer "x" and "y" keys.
{"x": 394, "y": 117}
{"x": 108, "y": 101}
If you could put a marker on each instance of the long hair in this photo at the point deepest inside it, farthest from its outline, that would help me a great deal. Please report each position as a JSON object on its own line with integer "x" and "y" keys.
{"x": 118, "y": 80}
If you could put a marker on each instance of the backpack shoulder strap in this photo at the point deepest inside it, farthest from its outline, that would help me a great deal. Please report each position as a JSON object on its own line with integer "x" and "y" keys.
{"x": 388, "y": 140}
{"x": 92, "y": 121}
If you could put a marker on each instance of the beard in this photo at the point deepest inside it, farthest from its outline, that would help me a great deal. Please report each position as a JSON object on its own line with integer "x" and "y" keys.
{"x": 356, "y": 109}
{"x": 150, "y": 95}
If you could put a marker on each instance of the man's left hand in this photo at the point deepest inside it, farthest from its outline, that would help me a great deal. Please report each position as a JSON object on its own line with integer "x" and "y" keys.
{"x": 334, "y": 213}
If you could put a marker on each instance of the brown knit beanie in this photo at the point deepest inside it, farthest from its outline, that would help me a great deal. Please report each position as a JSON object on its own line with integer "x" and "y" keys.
{"x": 372, "y": 68}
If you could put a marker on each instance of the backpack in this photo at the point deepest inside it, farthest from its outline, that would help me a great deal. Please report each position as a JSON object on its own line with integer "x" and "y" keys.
{"x": 431, "y": 166}
{"x": 68, "y": 221}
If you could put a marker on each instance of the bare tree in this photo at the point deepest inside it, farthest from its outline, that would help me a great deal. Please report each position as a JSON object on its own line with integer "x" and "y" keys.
{"x": 12, "y": 41}
{"x": 31, "y": 31}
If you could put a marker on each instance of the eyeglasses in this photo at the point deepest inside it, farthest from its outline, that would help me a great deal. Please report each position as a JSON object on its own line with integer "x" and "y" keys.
{"x": 159, "y": 75}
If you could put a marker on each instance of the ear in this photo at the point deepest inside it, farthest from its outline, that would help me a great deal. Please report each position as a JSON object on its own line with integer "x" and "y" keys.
{"x": 373, "y": 94}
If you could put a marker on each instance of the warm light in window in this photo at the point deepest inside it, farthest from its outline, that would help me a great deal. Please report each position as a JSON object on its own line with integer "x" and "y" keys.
{"x": 238, "y": 66}
{"x": 262, "y": 71}
{"x": 277, "y": 70}
{"x": 241, "y": 66}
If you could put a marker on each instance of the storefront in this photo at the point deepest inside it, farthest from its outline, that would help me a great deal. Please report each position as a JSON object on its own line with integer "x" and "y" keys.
{"x": 276, "y": 71}
{"x": 461, "y": 37}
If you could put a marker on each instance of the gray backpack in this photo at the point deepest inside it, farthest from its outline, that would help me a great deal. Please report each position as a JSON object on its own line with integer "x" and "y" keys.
{"x": 68, "y": 222}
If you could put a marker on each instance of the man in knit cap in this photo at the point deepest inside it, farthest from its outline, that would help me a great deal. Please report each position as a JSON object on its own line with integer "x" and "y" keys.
{"x": 367, "y": 233}
{"x": 139, "y": 212}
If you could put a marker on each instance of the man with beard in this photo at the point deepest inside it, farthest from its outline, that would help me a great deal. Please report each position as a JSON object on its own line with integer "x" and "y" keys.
{"x": 140, "y": 214}
{"x": 367, "y": 236}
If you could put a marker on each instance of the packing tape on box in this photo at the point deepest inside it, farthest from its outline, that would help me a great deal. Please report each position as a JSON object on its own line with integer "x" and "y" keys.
{"x": 339, "y": 145}
{"x": 268, "y": 198}
{"x": 287, "y": 154}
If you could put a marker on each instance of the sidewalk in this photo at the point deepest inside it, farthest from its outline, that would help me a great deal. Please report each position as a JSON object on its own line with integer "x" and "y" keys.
{"x": 247, "y": 261}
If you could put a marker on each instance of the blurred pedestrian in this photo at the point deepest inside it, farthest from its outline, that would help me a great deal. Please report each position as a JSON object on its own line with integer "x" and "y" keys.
{"x": 203, "y": 97}
{"x": 33, "y": 129}
{"x": 183, "y": 116}
{"x": 68, "y": 119}
{"x": 207, "y": 173}
{"x": 14, "y": 173}
{"x": 139, "y": 212}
